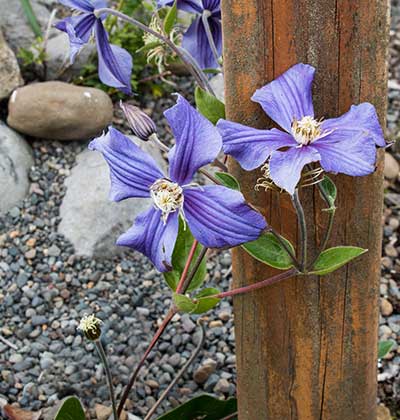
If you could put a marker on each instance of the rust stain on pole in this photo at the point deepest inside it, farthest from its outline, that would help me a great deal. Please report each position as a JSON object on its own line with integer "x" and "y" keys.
{"x": 306, "y": 348}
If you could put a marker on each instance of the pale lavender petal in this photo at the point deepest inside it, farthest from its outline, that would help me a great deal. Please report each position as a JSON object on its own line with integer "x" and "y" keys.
{"x": 115, "y": 63}
{"x": 132, "y": 171}
{"x": 285, "y": 167}
{"x": 360, "y": 117}
{"x": 150, "y": 236}
{"x": 219, "y": 217}
{"x": 82, "y": 5}
{"x": 288, "y": 96}
{"x": 197, "y": 141}
{"x": 214, "y": 6}
{"x": 250, "y": 146}
{"x": 195, "y": 41}
{"x": 348, "y": 152}
{"x": 191, "y": 6}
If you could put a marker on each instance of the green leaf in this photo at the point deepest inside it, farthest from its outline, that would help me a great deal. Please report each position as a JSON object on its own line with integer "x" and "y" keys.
{"x": 30, "y": 15}
{"x": 204, "y": 407}
{"x": 268, "y": 250}
{"x": 170, "y": 19}
{"x": 184, "y": 303}
{"x": 205, "y": 303}
{"x": 179, "y": 256}
{"x": 329, "y": 188}
{"x": 70, "y": 409}
{"x": 208, "y": 105}
{"x": 148, "y": 46}
{"x": 228, "y": 180}
{"x": 384, "y": 348}
{"x": 334, "y": 258}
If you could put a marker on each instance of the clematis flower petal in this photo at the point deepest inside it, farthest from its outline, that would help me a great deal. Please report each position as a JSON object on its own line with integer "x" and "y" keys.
{"x": 360, "y": 117}
{"x": 349, "y": 152}
{"x": 250, "y": 146}
{"x": 82, "y": 5}
{"x": 115, "y": 63}
{"x": 219, "y": 217}
{"x": 288, "y": 96}
{"x": 150, "y": 236}
{"x": 132, "y": 171}
{"x": 191, "y": 6}
{"x": 196, "y": 42}
{"x": 214, "y": 6}
{"x": 285, "y": 167}
{"x": 197, "y": 141}
{"x": 79, "y": 29}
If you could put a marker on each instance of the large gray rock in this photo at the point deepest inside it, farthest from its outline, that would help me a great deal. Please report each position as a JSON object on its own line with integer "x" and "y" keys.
{"x": 59, "y": 111}
{"x": 57, "y": 58}
{"x": 88, "y": 218}
{"x": 14, "y": 23}
{"x": 15, "y": 161}
{"x": 10, "y": 75}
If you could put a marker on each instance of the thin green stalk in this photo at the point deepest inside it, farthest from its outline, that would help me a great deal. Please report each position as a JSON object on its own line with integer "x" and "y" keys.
{"x": 327, "y": 236}
{"x": 285, "y": 246}
{"x": 104, "y": 361}
{"x": 30, "y": 15}
{"x": 303, "y": 228}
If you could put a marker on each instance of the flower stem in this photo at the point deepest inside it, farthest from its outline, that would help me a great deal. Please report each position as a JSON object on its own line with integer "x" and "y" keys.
{"x": 258, "y": 285}
{"x": 178, "y": 375}
{"x": 103, "y": 358}
{"x": 196, "y": 72}
{"x": 196, "y": 266}
{"x": 303, "y": 228}
{"x": 185, "y": 271}
{"x": 206, "y": 14}
{"x": 153, "y": 342}
{"x": 286, "y": 247}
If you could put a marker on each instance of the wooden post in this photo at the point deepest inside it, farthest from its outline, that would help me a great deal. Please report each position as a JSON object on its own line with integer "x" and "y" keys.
{"x": 307, "y": 347}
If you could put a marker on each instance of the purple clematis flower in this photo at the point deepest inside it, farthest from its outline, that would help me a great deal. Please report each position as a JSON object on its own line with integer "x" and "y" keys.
{"x": 341, "y": 145}
{"x": 217, "y": 216}
{"x": 195, "y": 39}
{"x": 115, "y": 63}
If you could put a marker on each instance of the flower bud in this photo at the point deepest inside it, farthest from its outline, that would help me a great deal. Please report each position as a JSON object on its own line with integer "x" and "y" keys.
{"x": 91, "y": 327}
{"x": 140, "y": 123}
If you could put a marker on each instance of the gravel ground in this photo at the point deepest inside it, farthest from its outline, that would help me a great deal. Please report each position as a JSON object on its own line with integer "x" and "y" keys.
{"x": 45, "y": 290}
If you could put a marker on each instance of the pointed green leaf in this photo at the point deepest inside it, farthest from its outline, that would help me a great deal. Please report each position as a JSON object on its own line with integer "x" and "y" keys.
{"x": 204, "y": 302}
{"x": 170, "y": 19}
{"x": 204, "y": 407}
{"x": 268, "y": 250}
{"x": 208, "y": 105}
{"x": 384, "y": 348}
{"x": 330, "y": 192}
{"x": 228, "y": 180}
{"x": 179, "y": 256}
{"x": 70, "y": 409}
{"x": 31, "y": 17}
{"x": 148, "y": 46}
{"x": 184, "y": 303}
{"x": 334, "y": 258}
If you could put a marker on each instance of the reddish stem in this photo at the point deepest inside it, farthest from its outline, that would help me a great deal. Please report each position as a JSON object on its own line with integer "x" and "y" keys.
{"x": 187, "y": 266}
{"x": 259, "y": 285}
{"x": 153, "y": 342}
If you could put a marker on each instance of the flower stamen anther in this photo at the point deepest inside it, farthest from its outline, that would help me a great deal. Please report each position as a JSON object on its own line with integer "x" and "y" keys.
{"x": 306, "y": 130}
{"x": 167, "y": 197}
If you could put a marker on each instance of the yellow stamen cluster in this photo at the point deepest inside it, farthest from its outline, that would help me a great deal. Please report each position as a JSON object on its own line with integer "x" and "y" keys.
{"x": 167, "y": 196}
{"x": 306, "y": 130}
{"x": 90, "y": 326}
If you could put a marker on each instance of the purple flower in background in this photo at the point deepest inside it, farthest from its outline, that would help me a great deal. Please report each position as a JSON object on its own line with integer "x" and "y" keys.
{"x": 217, "y": 216}
{"x": 195, "y": 39}
{"x": 115, "y": 63}
{"x": 342, "y": 145}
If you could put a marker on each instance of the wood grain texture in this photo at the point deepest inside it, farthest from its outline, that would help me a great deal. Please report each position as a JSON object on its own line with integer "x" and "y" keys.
{"x": 307, "y": 348}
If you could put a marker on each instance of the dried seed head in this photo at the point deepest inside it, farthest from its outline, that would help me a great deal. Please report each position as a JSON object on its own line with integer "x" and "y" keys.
{"x": 140, "y": 123}
{"x": 91, "y": 327}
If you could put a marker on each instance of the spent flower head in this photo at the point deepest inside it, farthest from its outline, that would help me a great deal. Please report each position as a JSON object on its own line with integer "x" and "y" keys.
{"x": 91, "y": 327}
{"x": 346, "y": 144}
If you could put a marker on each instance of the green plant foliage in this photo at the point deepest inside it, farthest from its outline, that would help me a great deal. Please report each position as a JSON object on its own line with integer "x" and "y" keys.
{"x": 182, "y": 248}
{"x": 170, "y": 19}
{"x": 35, "y": 55}
{"x": 204, "y": 302}
{"x": 334, "y": 258}
{"x": 183, "y": 303}
{"x": 269, "y": 250}
{"x": 208, "y": 105}
{"x": 384, "y": 348}
{"x": 30, "y": 15}
{"x": 228, "y": 180}
{"x": 204, "y": 407}
{"x": 329, "y": 188}
{"x": 70, "y": 409}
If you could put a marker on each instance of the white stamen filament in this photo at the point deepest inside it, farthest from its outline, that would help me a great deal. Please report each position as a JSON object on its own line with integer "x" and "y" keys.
{"x": 167, "y": 197}
{"x": 306, "y": 130}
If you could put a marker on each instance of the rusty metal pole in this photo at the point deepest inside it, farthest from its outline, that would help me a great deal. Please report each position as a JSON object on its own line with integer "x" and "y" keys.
{"x": 307, "y": 347}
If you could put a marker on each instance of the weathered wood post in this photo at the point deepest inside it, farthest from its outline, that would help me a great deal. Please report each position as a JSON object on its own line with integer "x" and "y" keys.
{"x": 307, "y": 347}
